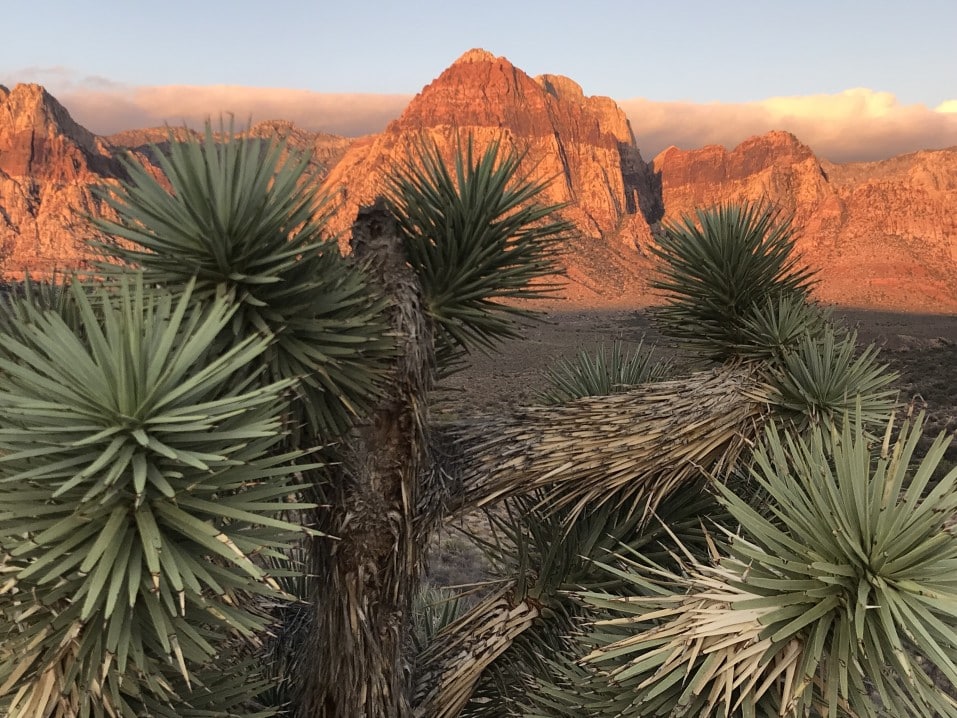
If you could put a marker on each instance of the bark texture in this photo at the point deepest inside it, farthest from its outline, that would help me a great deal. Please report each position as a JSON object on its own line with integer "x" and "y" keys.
{"x": 357, "y": 657}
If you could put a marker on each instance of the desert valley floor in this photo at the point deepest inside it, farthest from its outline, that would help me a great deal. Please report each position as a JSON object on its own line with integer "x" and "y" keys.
{"x": 922, "y": 347}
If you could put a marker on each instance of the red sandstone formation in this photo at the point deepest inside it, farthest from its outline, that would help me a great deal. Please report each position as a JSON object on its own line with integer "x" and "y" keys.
{"x": 881, "y": 234}
{"x": 47, "y": 166}
{"x": 583, "y": 145}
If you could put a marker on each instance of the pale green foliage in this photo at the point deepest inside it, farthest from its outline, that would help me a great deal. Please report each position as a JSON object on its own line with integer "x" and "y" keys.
{"x": 138, "y": 483}
{"x": 735, "y": 293}
{"x": 474, "y": 235}
{"x": 775, "y": 327}
{"x": 857, "y": 557}
{"x": 840, "y": 590}
{"x": 603, "y": 374}
{"x": 718, "y": 267}
{"x": 241, "y": 217}
{"x": 824, "y": 377}
{"x": 434, "y": 608}
{"x": 548, "y": 555}
{"x": 19, "y": 302}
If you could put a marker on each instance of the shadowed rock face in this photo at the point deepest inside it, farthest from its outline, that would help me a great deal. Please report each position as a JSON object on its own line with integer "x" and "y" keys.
{"x": 882, "y": 234}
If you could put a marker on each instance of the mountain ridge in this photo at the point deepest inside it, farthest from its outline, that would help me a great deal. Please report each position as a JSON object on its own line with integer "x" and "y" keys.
{"x": 881, "y": 234}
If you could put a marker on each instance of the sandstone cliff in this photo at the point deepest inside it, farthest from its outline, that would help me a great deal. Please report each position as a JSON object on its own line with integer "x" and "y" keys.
{"x": 583, "y": 145}
{"x": 47, "y": 166}
{"x": 49, "y": 163}
{"x": 879, "y": 233}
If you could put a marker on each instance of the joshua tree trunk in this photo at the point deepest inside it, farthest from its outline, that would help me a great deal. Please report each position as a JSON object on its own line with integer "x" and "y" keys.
{"x": 357, "y": 662}
{"x": 380, "y": 501}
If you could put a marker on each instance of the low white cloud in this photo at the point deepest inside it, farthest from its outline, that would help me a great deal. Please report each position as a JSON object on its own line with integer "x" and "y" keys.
{"x": 857, "y": 124}
{"x": 105, "y": 106}
{"x": 105, "y": 112}
{"x": 854, "y": 125}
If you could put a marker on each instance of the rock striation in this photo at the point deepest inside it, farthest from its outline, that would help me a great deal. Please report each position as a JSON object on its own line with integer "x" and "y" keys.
{"x": 48, "y": 164}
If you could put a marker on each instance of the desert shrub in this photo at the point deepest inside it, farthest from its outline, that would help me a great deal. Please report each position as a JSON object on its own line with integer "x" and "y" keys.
{"x": 602, "y": 374}
{"x": 242, "y": 219}
{"x": 475, "y": 235}
{"x": 717, "y": 268}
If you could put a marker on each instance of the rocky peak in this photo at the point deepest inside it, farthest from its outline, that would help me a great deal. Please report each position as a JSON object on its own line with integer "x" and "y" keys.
{"x": 48, "y": 163}
{"x": 582, "y": 145}
{"x": 30, "y": 106}
{"x": 775, "y": 167}
{"x": 476, "y": 54}
{"x": 39, "y": 139}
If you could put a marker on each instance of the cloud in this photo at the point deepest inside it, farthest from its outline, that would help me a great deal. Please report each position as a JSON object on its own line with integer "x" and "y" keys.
{"x": 857, "y": 124}
{"x": 105, "y": 106}
{"x": 854, "y": 125}
{"x": 109, "y": 111}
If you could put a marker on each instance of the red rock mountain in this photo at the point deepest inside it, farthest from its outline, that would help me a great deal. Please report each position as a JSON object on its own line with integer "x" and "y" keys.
{"x": 881, "y": 234}
{"x": 49, "y": 163}
{"x": 47, "y": 166}
{"x": 583, "y": 145}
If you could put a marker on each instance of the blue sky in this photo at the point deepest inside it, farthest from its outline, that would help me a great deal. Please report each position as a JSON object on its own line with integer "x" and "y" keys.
{"x": 731, "y": 50}
{"x": 728, "y": 52}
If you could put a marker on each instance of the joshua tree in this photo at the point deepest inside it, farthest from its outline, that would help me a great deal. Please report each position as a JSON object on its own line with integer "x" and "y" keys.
{"x": 350, "y": 344}
{"x": 238, "y": 388}
{"x": 825, "y": 557}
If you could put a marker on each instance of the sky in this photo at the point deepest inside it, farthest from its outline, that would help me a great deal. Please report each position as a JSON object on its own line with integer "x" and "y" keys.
{"x": 857, "y": 79}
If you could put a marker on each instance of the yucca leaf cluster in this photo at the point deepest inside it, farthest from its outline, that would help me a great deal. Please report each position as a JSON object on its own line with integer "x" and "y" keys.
{"x": 856, "y": 554}
{"x": 241, "y": 216}
{"x": 140, "y": 482}
{"x": 19, "y": 302}
{"x": 826, "y": 376}
{"x": 475, "y": 235}
{"x": 603, "y": 373}
{"x": 735, "y": 291}
{"x": 837, "y": 597}
{"x": 719, "y": 268}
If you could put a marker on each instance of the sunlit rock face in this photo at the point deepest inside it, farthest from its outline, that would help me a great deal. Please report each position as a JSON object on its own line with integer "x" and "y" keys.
{"x": 583, "y": 147}
{"x": 880, "y": 234}
{"x": 47, "y": 165}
